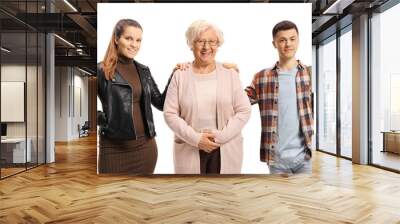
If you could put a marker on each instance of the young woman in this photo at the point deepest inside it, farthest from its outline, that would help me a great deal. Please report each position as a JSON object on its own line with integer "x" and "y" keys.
{"x": 127, "y": 90}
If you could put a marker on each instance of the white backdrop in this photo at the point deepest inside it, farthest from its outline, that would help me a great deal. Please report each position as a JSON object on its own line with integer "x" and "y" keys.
{"x": 247, "y": 29}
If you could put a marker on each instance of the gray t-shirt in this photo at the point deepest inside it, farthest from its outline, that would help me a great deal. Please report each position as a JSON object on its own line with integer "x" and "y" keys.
{"x": 290, "y": 146}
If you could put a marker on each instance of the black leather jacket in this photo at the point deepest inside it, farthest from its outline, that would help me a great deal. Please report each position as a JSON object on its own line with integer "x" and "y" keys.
{"x": 116, "y": 97}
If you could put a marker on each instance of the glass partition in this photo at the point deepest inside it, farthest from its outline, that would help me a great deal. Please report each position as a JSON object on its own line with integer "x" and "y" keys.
{"x": 327, "y": 96}
{"x": 22, "y": 89}
{"x": 385, "y": 89}
{"x": 346, "y": 93}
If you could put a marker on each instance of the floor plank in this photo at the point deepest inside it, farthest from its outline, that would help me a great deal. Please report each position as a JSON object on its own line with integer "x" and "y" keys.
{"x": 70, "y": 191}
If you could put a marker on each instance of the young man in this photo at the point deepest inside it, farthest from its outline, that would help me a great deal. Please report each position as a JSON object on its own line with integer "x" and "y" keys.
{"x": 283, "y": 94}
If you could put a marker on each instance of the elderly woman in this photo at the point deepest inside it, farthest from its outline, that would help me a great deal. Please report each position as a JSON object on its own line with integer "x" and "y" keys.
{"x": 206, "y": 108}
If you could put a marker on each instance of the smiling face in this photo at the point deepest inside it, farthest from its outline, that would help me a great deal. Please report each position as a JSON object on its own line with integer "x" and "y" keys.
{"x": 205, "y": 47}
{"x": 128, "y": 44}
{"x": 286, "y": 42}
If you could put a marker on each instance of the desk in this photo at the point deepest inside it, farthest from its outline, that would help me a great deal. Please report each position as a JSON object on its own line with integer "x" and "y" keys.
{"x": 13, "y": 150}
{"x": 391, "y": 141}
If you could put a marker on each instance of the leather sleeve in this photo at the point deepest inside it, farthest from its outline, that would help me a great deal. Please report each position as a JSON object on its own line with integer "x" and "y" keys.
{"x": 101, "y": 91}
{"x": 157, "y": 98}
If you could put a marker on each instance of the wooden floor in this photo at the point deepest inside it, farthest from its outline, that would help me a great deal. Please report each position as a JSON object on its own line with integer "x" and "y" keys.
{"x": 10, "y": 171}
{"x": 69, "y": 191}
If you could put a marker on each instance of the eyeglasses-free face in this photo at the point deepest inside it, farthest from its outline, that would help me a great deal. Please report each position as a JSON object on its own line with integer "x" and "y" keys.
{"x": 286, "y": 42}
{"x": 205, "y": 46}
{"x": 130, "y": 41}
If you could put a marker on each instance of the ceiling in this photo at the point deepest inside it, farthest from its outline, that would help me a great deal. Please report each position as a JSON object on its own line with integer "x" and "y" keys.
{"x": 76, "y": 21}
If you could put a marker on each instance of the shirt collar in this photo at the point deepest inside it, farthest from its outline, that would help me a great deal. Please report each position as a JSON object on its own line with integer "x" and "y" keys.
{"x": 300, "y": 66}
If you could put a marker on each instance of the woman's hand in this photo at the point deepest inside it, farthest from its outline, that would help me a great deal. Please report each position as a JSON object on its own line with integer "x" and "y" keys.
{"x": 206, "y": 142}
{"x": 182, "y": 66}
{"x": 231, "y": 65}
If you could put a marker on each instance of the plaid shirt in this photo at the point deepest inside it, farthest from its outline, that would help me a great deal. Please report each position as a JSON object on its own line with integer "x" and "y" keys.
{"x": 264, "y": 90}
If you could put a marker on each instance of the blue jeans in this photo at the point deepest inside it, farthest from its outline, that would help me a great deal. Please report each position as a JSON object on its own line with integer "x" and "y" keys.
{"x": 299, "y": 164}
{"x": 305, "y": 168}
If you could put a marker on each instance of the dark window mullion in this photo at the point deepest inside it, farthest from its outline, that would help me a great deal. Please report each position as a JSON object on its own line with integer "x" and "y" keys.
{"x": 26, "y": 87}
{"x": 317, "y": 97}
{"x": 37, "y": 90}
{"x": 369, "y": 97}
{"x": 338, "y": 73}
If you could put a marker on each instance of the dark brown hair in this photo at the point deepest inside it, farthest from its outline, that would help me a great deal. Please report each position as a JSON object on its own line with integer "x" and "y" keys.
{"x": 283, "y": 25}
{"x": 111, "y": 56}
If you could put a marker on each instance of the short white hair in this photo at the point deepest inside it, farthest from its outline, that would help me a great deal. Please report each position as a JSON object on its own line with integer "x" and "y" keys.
{"x": 198, "y": 27}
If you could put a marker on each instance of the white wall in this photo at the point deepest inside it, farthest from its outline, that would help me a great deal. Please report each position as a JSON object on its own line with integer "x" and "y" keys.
{"x": 69, "y": 82}
{"x": 61, "y": 103}
{"x": 80, "y": 84}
